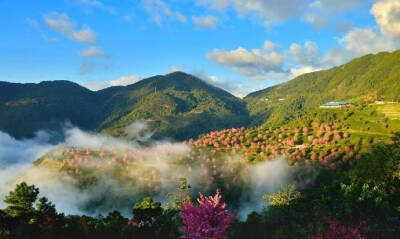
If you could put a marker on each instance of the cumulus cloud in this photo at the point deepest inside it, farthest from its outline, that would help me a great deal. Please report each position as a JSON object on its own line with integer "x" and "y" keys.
{"x": 249, "y": 62}
{"x": 158, "y": 9}
{"x": 364, "y": 41}
{"x": 61, "y": 23}
{"x": 318, "y": 21}
{"x": 322, "y": 13}
{"x": 125, "y": 80}
{"x": 121, "y": 81}
{"x": 387, "y": 15}
{"x": 205, "y": 22}
{"x": 271, "y": 63}
{"x": 92, "y": 52}
{"x": 317, "y": 12}
{"x": 266, "y": 11}
{"x": 335, "y": 5}
{"x": 358, "y": 42}
{"x": 307, "y": 55}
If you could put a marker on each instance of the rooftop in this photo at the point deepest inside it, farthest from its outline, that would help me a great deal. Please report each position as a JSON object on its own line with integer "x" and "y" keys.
{"x": 334, "y": 103}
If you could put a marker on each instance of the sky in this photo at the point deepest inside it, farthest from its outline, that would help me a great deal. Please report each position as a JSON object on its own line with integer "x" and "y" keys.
{"x": 239, "y": 45}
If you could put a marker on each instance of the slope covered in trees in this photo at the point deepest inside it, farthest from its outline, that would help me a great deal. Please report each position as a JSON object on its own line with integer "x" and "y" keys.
{"x": 176, "y": 105}
{"x": 371, "y": 77}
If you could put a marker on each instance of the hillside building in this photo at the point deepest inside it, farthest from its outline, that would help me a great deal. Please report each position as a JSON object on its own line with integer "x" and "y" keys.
{"x": 334, "y": 104}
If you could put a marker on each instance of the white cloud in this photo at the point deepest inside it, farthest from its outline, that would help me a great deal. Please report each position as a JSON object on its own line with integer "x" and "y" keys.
{"x": 208, "y": 22}
{"x": 125, "y": 80}
{"x": 267, "y": 11}
{"x": 307, "y": 55}
{"x": 121, "y": 81}
{"x": 335, "y": 5}
{"x": 61, "y": 23}
{"x": 234, "y": 88}
{"x": 363, "y": 41}
{"x": 318, "y": 21}
{"x": 97, "y": 4}
{"x": 387, "y": 16}
{"x": 92, "y": 52}
{"x": 250, "y": 63}
{"x": 356, "y": 43}
{"x": 295, "y": 72}
{"x": 318, "y": 13}
{"x": 158, "y": 9}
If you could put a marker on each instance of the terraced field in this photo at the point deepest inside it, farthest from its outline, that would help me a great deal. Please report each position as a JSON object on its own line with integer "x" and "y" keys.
{"x": 392, "y": 111}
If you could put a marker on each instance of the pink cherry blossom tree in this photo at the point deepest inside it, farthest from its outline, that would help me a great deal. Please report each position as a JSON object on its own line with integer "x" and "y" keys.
{"x": 208, "y": 220}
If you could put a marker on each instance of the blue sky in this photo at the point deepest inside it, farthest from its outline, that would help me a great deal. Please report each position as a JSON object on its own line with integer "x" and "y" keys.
{"x": 235, "y": 44}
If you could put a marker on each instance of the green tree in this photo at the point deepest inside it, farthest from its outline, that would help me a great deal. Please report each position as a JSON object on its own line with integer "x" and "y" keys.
{"x": 146, "y": 212}
{"x": 45, "y": 207}
{"x": 20, "y": 201}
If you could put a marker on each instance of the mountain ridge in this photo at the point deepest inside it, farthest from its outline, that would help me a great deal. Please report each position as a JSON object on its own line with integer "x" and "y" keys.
{"x": 182, "y": 106}
{"x": 28, "y": 107}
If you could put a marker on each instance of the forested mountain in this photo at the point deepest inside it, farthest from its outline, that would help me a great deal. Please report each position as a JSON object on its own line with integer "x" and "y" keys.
{"x": 178, "y": 105}
{"x": 371, "y": 77}
{"x": 181, "y": 106}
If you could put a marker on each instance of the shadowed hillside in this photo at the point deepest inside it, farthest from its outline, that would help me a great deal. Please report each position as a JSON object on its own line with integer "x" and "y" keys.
{"x": 178, "y": 105}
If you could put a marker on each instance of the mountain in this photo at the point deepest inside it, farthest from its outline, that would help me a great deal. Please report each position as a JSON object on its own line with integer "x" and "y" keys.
{"x": 176, "y": 105}
{"x": 26, "y": 108}
{"x": 368, "y": 78}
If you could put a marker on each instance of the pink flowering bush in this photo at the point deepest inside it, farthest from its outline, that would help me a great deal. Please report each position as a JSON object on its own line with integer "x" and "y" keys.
{"x": 209, "y": 220}
{"x": 336, "y": 230}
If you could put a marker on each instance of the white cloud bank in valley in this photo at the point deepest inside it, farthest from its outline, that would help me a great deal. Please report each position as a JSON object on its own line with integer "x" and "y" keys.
{"x": 159, "y": 159}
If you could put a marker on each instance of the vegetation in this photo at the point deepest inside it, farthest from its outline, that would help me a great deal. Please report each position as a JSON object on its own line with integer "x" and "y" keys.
{"x": 180, "y": 106}
{"x": 362, "y": 203}
{"x": 365, "y": 79}
{"x": 176, "y": 105}
{"x": 343, "y": 164}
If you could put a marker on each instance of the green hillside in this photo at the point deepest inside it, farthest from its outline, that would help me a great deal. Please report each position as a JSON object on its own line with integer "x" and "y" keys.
{"x": 368, "y": 78}
{"x": 26, "y": 108}
{"x": 176, "y": 105}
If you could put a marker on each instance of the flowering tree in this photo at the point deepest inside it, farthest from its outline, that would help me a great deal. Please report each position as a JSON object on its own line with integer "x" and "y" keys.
{"x": 338, "y": 230}
{"x": 209, "y": 220}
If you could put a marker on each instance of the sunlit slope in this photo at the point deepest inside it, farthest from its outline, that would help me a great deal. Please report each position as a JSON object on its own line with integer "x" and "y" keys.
{"x": 371, "y": 77}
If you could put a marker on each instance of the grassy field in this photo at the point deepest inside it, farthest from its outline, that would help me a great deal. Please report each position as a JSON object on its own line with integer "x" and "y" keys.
{"x": 392, "y": 111}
